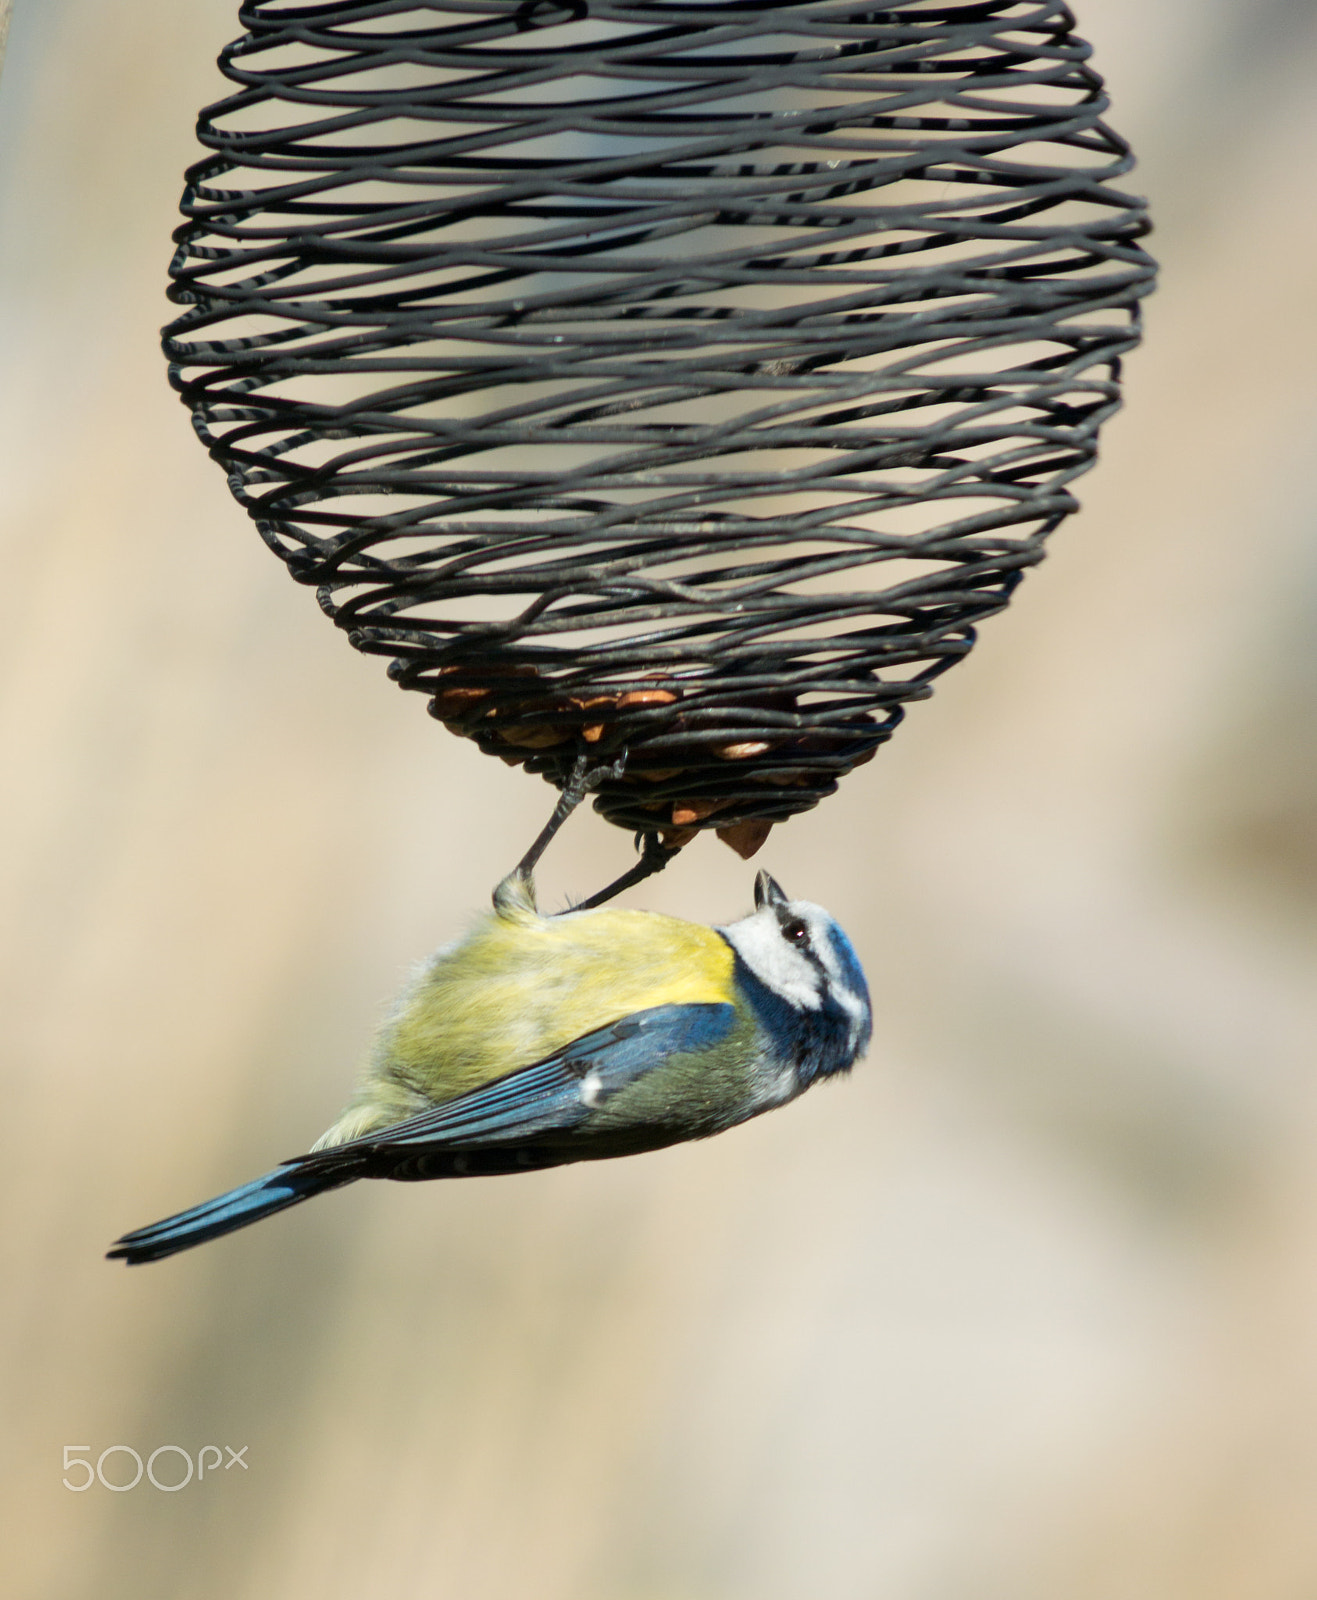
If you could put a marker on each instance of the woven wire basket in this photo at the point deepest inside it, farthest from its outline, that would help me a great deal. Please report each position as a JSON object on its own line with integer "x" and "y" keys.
{"x": 683, "y": 379}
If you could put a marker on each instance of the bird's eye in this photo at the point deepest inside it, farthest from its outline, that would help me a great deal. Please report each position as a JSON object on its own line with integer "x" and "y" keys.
{"x": 795, "y": 930}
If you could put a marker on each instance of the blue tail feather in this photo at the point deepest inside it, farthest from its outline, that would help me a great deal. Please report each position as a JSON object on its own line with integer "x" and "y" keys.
{"x": 287, "y": 1185}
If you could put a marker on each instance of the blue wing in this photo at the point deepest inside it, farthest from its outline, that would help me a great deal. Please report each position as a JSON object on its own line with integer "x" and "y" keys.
{"x": 556, "y": 1094}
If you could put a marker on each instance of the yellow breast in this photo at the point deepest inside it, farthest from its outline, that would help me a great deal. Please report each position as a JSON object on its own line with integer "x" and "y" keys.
{"x": 521, "y": 986}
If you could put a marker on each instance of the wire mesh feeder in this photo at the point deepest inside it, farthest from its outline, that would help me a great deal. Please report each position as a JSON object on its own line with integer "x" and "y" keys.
{"x": 683, "y": 379}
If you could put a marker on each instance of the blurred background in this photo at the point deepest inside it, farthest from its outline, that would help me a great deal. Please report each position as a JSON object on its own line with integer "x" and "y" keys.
{"x": 1027, "y": 1308}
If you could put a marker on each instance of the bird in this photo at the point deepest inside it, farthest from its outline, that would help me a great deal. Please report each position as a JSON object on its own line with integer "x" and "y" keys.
{"x": 536, "y": 1040}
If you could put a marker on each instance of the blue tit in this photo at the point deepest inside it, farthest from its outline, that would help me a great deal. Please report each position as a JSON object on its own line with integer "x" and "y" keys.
{"x": 537, "y": 1040}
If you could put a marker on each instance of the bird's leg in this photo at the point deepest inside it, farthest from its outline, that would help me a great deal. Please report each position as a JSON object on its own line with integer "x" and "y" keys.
{"x": 518, "y": 888}
{"x": 654, "y": 856}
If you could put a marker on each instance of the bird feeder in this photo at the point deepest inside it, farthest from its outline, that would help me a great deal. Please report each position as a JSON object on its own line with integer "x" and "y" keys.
{"x": 678, "y": 380}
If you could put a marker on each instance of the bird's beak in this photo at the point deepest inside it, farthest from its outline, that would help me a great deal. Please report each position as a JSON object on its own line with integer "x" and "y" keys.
{"x": 768, "y": 892}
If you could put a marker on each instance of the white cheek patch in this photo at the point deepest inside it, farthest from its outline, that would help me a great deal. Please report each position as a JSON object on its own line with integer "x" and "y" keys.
{"x": 840, "y": 981}
{"x": 850, "y": 1002}
{"x": 778, "y": 965}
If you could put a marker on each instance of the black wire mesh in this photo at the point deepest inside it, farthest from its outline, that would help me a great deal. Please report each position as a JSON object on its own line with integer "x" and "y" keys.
{"x": 684, "y": 378}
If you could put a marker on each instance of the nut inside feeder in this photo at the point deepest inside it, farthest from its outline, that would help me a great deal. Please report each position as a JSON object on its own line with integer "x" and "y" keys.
{"x": 679, "y": 381}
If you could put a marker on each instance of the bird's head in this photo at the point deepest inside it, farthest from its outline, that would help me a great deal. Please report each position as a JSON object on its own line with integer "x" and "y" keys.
{"x": 805, "y": 979}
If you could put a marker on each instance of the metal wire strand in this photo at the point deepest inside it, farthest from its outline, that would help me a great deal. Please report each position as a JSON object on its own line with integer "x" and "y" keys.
{"x": 685, "y": 378}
